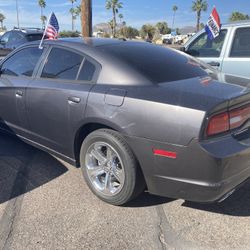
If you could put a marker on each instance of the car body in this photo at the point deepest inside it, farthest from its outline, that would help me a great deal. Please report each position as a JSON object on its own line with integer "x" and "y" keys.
{"x": 229, "y": 52}
{"x": 161, "y": 108}
{"x": 16, "y": 37}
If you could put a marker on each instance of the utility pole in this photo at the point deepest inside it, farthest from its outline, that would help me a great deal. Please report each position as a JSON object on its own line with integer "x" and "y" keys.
{"x": 17, "y": 13}
{"x": 86, "y": 10}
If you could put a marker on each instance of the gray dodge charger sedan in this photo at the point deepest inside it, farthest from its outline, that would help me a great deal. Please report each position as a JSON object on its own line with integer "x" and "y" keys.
{"x": 132, "y": 115}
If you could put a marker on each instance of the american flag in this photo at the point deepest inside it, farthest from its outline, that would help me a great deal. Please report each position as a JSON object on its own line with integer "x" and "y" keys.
{"x": 52, "y": 27}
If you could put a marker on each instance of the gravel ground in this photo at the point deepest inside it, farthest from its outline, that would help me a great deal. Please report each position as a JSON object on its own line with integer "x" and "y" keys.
{"x": 45, "y": 204}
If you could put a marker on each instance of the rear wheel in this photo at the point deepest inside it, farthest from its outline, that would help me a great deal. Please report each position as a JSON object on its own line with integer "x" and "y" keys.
{"x": 109, "y": 167}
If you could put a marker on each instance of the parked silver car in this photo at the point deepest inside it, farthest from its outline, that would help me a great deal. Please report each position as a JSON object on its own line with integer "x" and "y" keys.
{"x": 229, "y": 52}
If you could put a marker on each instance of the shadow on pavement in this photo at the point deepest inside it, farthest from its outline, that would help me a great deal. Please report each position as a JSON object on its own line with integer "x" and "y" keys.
{"x": 24, "y": 168}
{"x": 238, "y": 204}
{"x": 147, "y": 200}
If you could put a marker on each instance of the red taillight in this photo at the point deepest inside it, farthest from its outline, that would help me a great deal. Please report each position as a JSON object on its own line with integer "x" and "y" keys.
{"x": 239, "y": 116}
{"x": 218, "y": 124}
{"x": 226, "y": 121}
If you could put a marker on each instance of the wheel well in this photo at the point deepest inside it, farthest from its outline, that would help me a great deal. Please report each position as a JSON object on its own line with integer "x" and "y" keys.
{"x": 82, "y": 133}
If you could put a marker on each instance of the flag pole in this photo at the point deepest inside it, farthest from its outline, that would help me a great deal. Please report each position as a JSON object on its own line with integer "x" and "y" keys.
{"x": 44, "y": 33}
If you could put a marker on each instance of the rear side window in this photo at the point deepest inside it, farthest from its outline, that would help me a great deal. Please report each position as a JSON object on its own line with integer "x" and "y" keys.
{"x": 87, "y": 72}
{"x": 157, "y": 63}
{"x": 22, "y": 63}
{"x": 62, "y": 64}
{"x": 241, "y": 43}
{"x": 34, "y": 37}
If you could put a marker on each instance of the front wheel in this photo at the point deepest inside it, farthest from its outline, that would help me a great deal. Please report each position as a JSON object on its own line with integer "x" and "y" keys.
{"x": 110, "y": 168}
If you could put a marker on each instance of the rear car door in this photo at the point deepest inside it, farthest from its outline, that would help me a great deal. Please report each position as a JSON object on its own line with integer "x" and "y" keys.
{"x": 209, "y": 51}
{"x": 56, "y": 100}
{"x": 237, "y": 58}
{"x": 16, "y": 74}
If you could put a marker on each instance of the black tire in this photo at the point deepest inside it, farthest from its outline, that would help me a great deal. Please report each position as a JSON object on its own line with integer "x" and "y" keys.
{"x": 133, "y": 183}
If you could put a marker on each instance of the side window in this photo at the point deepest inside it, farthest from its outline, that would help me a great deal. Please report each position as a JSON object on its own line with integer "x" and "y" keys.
{"x": 15, "y": 37}
{"x": 241, "y": 45}
{"x": 87, "y": 72}
{"x": 62, "y": 64}
{"x": 5, "y": 38}
{"x": 204, "y": 47}
{"x": 22, "y": 63}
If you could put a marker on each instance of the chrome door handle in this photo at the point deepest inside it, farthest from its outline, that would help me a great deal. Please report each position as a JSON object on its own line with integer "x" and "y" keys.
{"x": 214, "y": 64}
{"x": 19, "y": 93}
{"x": 74, "y": 99}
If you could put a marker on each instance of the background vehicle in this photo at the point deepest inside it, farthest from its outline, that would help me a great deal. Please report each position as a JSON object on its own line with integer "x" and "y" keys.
{"x": 229, "y": 52}
{"x": 130, "y": 113}
{"x": 16, "y": 37}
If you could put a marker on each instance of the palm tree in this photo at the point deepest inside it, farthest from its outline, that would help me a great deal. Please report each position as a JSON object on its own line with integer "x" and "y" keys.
{"x": 238, "y": 16}
{"x": 72, "y": 12}
{"x": 114, "y": 5}
{"x": 199, "y": 6}
{"x": 175, "y": 8}
{"x": 42, "y": 4}
{"x": 2, "y": 18}
{"x": 120, "y": 17}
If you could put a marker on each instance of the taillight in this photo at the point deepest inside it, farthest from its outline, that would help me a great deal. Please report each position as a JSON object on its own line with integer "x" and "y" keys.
{"x": 239, "y": 116}
{"x": 218, "y": 124}
{"x": 227, "y": 121}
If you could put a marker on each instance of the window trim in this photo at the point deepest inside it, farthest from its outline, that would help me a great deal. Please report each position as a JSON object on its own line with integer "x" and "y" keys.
{"x": 204, "y": 32}
{"x": 232, "y": 43}
{"x": 85, "y": 57}
{"x": 17, "y": 51}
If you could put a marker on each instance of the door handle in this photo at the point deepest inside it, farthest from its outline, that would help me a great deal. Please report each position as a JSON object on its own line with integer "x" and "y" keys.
{"x": 74, "y": 99}
{"x": 214, "y": 64}
{"x": 19, "y": 93}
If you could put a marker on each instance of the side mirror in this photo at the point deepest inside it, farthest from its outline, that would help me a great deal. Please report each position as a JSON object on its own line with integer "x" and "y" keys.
{"x": 2, "y": 42}
{"x": 183, "y": 49}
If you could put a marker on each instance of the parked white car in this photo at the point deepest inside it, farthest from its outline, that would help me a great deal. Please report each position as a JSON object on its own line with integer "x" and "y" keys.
{"x": 229, "y": 52}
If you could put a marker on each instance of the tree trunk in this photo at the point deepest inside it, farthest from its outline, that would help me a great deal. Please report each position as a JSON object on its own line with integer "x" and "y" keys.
{"x": 114, "y": 22}
{"x": 72, "y": 16}
{"x": 86, "y": 15}
{"x": 41, "y": 17}
{"x": 173, "y": 21}
{"x": 198, "y": 20}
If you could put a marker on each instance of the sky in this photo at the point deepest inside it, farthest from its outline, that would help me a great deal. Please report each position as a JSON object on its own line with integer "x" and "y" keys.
{"x": 136, "y": 12}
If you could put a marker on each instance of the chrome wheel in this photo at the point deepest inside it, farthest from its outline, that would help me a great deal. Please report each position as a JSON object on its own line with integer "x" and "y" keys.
{"x": 104, "y": 168}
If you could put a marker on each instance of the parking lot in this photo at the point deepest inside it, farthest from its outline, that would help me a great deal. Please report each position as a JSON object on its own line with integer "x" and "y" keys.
{"x": 44, "y": 203}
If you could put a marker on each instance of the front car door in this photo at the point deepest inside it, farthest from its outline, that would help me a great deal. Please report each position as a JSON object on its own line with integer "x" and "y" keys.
{"x": 237, "y": 58}
{"x": 209, "y": 51}
{"x": 16, "y": 74}
{"x": 56, "y": 100}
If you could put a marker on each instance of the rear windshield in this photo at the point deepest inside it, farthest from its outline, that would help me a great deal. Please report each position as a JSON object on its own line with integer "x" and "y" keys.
{"x": 157, "y": 63}
{"x": 34, "y": 37}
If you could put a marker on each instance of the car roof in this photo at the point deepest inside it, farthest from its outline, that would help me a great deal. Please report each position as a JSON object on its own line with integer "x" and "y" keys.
{"x": 29, "y": 30}
{"x": 237, "y": 23}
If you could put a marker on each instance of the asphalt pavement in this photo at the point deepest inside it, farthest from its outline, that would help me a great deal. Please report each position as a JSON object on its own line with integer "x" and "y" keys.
{"x": 45, "y": 204}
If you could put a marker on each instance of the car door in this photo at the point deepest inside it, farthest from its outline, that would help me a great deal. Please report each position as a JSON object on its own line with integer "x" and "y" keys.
{"x": 56, "y": 100}
{"x": 209, "y": 51}
{"x": 4, "y": 50}
{"x": 237, "y": 58}
{"x": 16, "y": 74}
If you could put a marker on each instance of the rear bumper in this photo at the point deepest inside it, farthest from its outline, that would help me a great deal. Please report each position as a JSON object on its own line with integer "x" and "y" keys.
{"x": 202, "y": 172}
